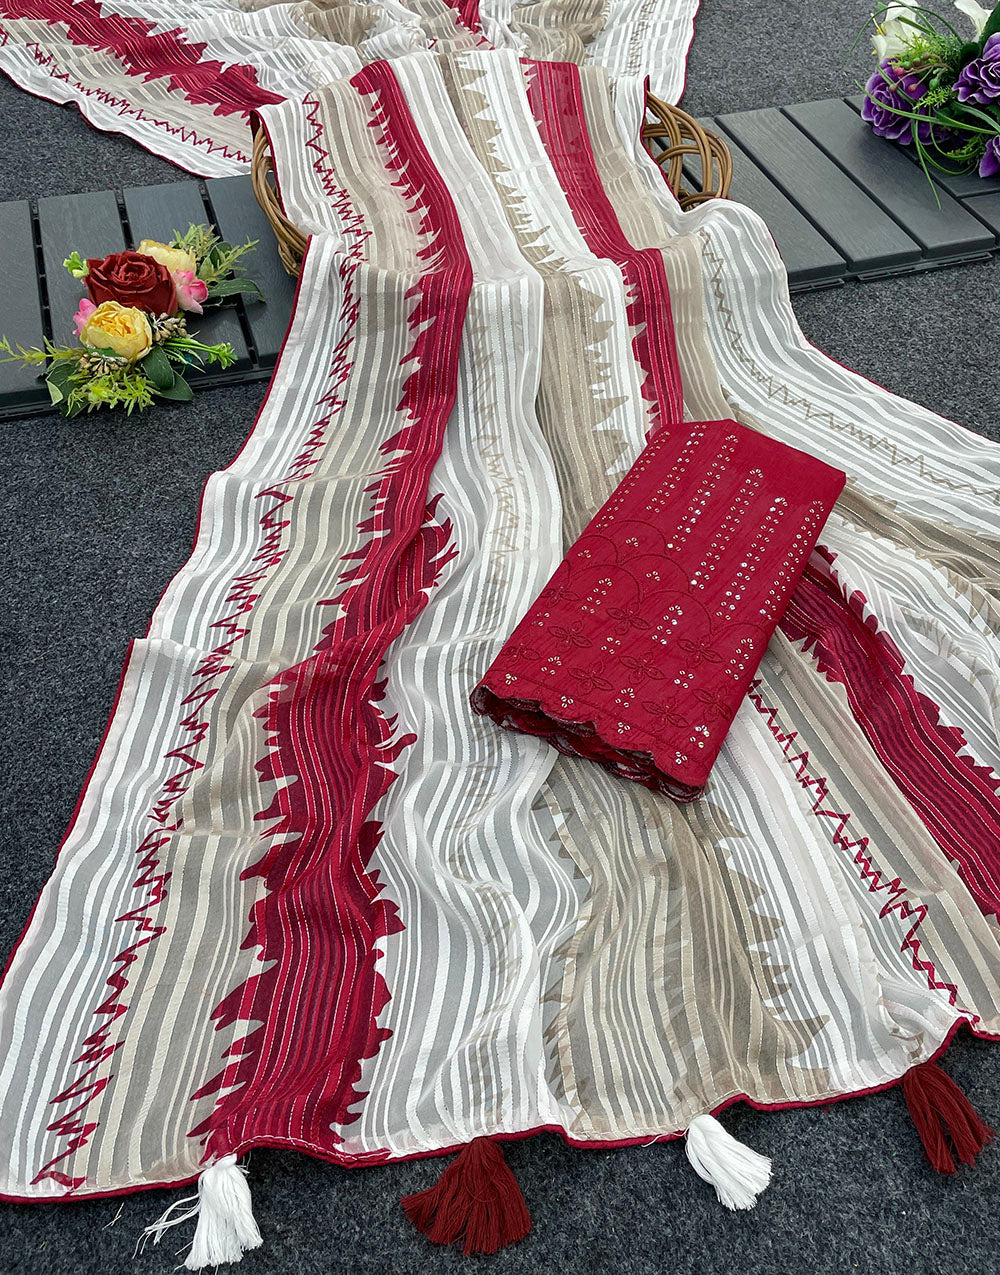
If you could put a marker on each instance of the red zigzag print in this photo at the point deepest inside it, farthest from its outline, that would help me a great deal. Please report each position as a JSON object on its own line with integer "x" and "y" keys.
{"x": 955, "y": 798}
{"x": 229, "y": 89}
{"x": 897, "y": 900}
{"x": 316, "y": 929}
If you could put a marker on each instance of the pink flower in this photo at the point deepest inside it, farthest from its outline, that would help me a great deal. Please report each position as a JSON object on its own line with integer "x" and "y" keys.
{"x": 85, "y": 310}
{"x": 191, "y": 291}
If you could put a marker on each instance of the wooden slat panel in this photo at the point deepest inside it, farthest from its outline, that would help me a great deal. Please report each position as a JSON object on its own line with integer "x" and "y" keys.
{"x": 967, "y": 185}
{"x": 862, "y": 233}
{"x": 239, "y": 217}
{"x": 808, "y": 257}
{"x": 959, "y": 185}
{"x": 987, "y": 207}
{"x": 155, "y": 212}
{"x": 20, "y": 305}
{"x": 942, "y": 227}
{"x": 92, "y": 225}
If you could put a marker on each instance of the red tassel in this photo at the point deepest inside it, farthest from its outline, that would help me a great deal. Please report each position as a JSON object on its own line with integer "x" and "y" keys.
{"x": 943, "y": 1117}
{"x": 477, "y": 1199}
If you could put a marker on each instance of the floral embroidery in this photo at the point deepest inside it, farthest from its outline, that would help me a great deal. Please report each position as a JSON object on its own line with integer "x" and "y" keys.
{"x": 644, "y": 666}
{"x": 573, "y": 636}
{"x": 592, "y": 678}
{"x": 665, "y": 712}
{"x": 558, "y": 593}
{"x": 715, "y": 704}
{"x": 716, "y": 522}
{"x": 699, "y": 649}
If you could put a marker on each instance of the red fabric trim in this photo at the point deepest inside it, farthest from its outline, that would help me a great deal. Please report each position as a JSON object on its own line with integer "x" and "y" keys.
{"x": 556, "y": 100}
{"x": 955, "y": 798}
{"x": 229, "y": 89}
{"x": 317, "y": 926}
{"x": 95, "y": 1051}
{"x": 362, "y": 1162}
{"x": 126, "y": 110}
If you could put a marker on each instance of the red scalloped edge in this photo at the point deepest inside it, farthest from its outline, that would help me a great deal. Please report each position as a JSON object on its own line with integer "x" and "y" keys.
{"x": 583, "y": 738}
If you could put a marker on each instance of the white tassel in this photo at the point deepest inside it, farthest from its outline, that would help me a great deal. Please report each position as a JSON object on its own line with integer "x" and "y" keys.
{"x": 738, "y": 1174}
{"x": 226, "y": 1228}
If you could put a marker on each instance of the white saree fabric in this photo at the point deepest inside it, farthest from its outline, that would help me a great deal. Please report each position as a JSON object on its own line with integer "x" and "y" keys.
{"x": 506, "y": 939}
{"x": 118, "y": 60}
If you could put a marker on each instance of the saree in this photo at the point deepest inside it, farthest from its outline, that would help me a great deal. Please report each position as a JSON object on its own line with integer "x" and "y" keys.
{"x": 310, "y": 900}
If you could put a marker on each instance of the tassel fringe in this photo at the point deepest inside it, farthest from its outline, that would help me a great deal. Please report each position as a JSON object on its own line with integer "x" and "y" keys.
{"x": 226, "y": 1228}
{"x": 944, "y": 1118}
{"x": 476, "y": 1200}
{"x": 738, "y": 1174}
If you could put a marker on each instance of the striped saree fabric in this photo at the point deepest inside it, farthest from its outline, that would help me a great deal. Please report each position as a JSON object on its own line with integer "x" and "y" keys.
{"x": 180, "y": 77}
{"x": 309, "y": 899}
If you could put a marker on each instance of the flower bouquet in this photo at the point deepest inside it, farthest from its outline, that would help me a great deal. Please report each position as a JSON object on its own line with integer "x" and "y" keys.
{"x": 936, "y": 90}
{"x": 133, "y": 344}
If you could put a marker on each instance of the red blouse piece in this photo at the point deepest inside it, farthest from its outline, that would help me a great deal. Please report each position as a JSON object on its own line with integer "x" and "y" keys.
{"x": 639, "y": 651}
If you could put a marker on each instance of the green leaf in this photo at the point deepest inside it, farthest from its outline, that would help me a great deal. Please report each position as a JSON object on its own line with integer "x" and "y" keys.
{"x": 179, "y": 392}
{"x": 229, "y": 287}
{"x": 55, "y": 391}
{"x": 60, "y": 373}
{"x": 76, "y": 265}
{"x": 992, "y": 24}
{"x": 967, "y": 108}
{"x": 156, "y": 366}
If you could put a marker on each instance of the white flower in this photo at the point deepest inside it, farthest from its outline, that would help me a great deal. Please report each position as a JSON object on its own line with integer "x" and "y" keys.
{"x": 894, "y": 32}
{"x": 976, "y": 14}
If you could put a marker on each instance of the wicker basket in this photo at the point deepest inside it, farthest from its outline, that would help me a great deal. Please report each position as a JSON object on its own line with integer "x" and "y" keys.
{"x": 291, "y": 241}
{"x": 673, "y": 137}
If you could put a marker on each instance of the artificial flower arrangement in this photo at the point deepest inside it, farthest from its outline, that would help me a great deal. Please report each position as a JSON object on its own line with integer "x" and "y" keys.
{"x": 936, "y": 90}
{"x": 133, "y": 343}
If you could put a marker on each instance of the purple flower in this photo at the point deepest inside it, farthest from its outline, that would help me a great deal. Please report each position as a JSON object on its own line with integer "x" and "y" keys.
{"x": 989, "y": 165}
{"x": 980, "y": 81}
{"x": 901, "y": 92}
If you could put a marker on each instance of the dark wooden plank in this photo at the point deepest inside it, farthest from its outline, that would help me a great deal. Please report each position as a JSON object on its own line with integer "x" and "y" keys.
{"x": 20, "y": 305}
{"x": 862, "y": 233}
{"x": 941, "y": 226}
{"x": 967, "y": 185}
{"x": 92, "y": 225}
{"x": 239, "y": 217}
{"x": 155, "y": 212}
{"x": 987, "y": 207}
{"x": 960, "y": 185}
{"x": 808, "y": 257}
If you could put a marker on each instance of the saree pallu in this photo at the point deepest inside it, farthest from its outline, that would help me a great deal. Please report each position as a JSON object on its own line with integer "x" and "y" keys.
{"x": 181, "y": 77}
{"x": 309, "y": 900}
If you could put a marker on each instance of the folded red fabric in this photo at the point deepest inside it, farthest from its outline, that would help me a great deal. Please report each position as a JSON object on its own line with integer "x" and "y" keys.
{"x": 639, "y": 651}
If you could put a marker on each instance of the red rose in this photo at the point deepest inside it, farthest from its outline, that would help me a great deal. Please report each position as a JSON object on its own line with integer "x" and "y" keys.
{"x": 131, "y": 278}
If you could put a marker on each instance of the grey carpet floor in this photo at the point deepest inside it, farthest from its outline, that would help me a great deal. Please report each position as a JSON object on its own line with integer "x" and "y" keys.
{"x": 100, "y": 514}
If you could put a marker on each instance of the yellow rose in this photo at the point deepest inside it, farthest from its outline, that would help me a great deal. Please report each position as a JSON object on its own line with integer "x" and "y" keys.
{"x": 120, "y": 328}
{"x": 172, "y": 258}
